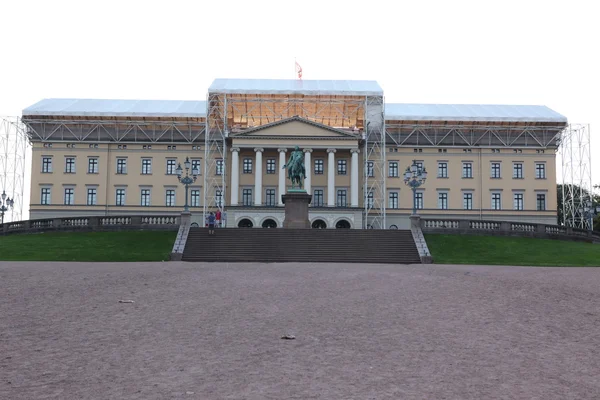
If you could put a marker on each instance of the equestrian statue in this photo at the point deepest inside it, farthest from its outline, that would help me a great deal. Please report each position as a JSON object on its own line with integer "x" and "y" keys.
{"x": 295, "y": 167}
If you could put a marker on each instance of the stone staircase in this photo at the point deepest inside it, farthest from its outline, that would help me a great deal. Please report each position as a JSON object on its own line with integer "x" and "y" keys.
{"x": 302, "y": 245}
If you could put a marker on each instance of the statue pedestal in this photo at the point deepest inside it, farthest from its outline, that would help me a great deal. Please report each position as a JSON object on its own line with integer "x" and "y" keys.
{"x": 296, "y": 209}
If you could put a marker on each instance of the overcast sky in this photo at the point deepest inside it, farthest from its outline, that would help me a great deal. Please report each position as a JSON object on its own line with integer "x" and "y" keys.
{"x": 482, "y": 52}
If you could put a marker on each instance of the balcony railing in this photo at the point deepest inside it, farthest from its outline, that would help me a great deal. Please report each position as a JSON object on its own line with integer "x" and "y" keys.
{"x": 505, "y": 228}
{"x": 103, "y": 223}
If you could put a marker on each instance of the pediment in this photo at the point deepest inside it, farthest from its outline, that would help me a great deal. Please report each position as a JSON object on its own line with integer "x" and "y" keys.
{"x": 295, "y": 127}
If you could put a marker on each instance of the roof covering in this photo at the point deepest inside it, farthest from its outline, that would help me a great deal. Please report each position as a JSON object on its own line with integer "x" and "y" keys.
{"x": 118, "y": 108}
{"x": 471, "y": 112}
{"x": 296, "y": 86}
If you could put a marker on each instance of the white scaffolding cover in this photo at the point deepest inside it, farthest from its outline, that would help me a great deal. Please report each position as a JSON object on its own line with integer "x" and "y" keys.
{"x": 118, "y": 108}
{"x": 296, "y": 86}
{"x": 471, "y": 112}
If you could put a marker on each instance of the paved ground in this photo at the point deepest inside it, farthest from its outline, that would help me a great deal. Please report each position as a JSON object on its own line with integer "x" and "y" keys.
{"x": 212, "y": 331}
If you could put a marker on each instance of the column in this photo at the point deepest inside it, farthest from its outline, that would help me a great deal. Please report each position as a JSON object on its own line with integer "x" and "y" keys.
{"x": 331, "y": 177}
{"x": 235, "y": 176}
{"x": 282, "y": 173}
{"x": 354, "y": 178}
{"x": 308, "y": 167}
{"x": 258, "y": 175}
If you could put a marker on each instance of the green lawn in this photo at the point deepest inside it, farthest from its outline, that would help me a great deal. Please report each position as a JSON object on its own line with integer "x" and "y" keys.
{"x": 499, "y": 250}
{"x": 88, "y": 246}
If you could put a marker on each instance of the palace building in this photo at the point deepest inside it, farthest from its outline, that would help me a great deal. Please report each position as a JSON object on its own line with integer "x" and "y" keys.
{"x": 120, "y": 157}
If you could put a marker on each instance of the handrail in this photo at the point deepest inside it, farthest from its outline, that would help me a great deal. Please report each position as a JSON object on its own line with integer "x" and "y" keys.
{"x": 477, "y": 227}
{"x": 96, "y": 223}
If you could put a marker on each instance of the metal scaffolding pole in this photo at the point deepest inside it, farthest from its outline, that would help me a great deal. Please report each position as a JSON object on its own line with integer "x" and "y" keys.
{"x": 215, "y": 153}
{"x": 374, "y": 168}
{"x": 13, "y": 150}
{"x": 577, "y": 184}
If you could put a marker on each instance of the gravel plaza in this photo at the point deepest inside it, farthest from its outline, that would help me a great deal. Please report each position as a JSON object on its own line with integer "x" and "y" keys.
{"x": 362, "y": 331}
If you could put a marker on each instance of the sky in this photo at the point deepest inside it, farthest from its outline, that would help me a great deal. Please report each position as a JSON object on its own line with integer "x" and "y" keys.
{"x": 468, "y": 52}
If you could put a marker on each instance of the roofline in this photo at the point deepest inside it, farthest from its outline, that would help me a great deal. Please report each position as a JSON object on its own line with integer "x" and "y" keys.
{"x": 291, "y": 119}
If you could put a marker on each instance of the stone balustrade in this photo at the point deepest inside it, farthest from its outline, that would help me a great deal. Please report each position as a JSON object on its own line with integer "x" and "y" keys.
{"x": 506, "y": 228}
{"x": 100, "y": 223}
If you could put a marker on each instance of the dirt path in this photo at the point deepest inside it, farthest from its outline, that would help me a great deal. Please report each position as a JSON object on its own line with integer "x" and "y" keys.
{"x": 212, "y": 331}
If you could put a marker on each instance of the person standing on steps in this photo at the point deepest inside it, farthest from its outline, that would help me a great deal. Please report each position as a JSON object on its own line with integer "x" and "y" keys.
{"x": 211, "y": 224}
{"x": 218, "y": 217}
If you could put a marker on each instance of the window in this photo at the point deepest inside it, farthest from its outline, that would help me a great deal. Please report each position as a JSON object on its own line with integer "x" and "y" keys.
{"x": 247, "y": 197}
{"x": 541, "y": 202}
{"x": 219, "y": 167}
{"x": 540, "y": 171}
{"x": 443, "y": 201}
{"x": 518, "y": 201}
{"x": 393, "y": 200}
{"x": 419, "y": 200}
{"x": 195, "y": 166}
{"x": 341, "y": 167}
{"x": 270, "y": 197}
{"x": 91, "y": 196}
{"x": 171, "y": 166}
{"x": 170, "y": 198}
{"x": 70, "y": 165}
{"x": 247, "y": 166}
{"x": 47, "y": 165}
{"x": 121, "y": 166}
{"x": 467, "y": 170}
{"x": 92, "y": 166}
{"x": 442, "y": 170}
{"x": 496, "y": 201}
{"x": 45, "y": 200}
{"x": 318, "y": 198}
{"x": 69, "y": 197}
{"x": 370, "y": 201}
{"x": 195, "y": 198}
{"x": 271, "y": 166}
{"x": 495, "y": 170}
{"x": 518, "y": 171}
{"x": 219, "y": 198}
{"x": 370, "y": 169}
{"x": 341, "y": 198}
{"x": 145, "y": 201}
{"x": 120, "y": 197}
{"x": 467, "y": 201}
{"x": 318, "y": 167}
{"x": 393, "y": 169}
{"x": 146, "y": 166}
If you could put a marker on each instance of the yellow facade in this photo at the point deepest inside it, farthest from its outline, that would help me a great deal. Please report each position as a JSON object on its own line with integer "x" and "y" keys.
{"x": 151, "y": 182}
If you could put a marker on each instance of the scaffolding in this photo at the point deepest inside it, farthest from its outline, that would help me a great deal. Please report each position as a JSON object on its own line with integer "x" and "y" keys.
{"x": 232, "y": 113}
{"x": 374, "y": 169}
{"x": 577, "y": 185}
{"x": 215, "y": 153}
{"x": 13, "y": 150}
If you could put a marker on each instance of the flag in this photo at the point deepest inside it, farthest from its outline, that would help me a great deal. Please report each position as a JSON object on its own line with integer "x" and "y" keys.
{"x": 298, "y": 70}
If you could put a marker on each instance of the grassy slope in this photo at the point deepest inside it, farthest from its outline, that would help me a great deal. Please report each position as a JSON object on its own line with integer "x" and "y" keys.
{"x": 498, "y": 250}
{"x": 88, "y": 246}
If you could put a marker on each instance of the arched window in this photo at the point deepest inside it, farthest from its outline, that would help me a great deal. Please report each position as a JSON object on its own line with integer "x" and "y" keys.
{"x": 342, "y": 224}
{"x": 319, "y": 224}
{"x": 194, "y": 225}
{"x": 269, "y": 223}
{"x": 245, "y": 223}
{"x": 393, "y": 227}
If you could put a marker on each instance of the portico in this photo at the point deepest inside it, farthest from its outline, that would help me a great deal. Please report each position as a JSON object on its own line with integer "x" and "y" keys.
{"x": 332, "y": 162}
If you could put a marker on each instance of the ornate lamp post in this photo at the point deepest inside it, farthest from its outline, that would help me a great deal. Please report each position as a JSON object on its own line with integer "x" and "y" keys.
{"x": 186, "y": 180}
{"x": 5, "y": 205}
{"x": 588, "y": 212}
{"x": 414, "y": 177}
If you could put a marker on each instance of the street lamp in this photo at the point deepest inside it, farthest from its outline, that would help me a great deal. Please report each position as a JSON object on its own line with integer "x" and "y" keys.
{"x": 5, "y": 205}
{"x": 588, "y": 212}
{"x": 414, "y": 177}
{"x": 186, "y": 180}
